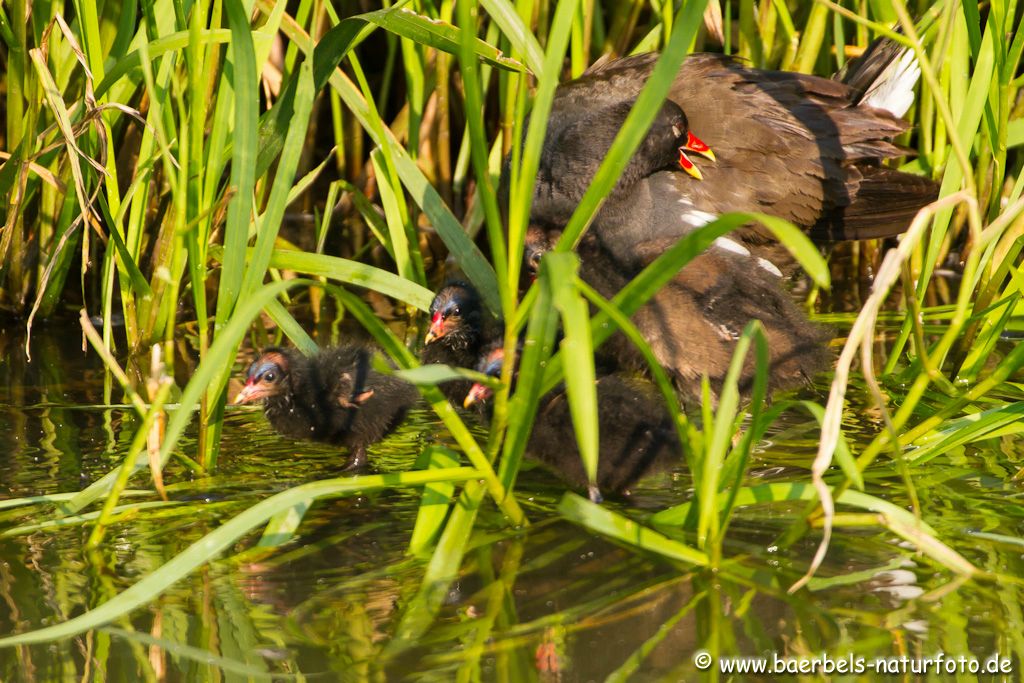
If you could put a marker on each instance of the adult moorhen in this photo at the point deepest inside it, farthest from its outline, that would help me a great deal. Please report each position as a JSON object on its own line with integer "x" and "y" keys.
{"x": 459, "y": 329}
{"x": 801, "y": 147}
{"x": 637, "y": 434}
{"x": 333, "y": 396}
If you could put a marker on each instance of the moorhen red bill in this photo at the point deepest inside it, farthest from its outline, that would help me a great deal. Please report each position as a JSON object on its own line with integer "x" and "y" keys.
{"x": 333, "y": 397}
{"x": 459, "y": 329}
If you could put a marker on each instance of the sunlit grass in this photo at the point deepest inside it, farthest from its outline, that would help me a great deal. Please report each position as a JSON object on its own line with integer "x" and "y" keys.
{"x": 174, "y": 222}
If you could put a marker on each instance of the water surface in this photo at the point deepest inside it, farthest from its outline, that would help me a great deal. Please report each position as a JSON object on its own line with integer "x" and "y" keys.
{"x": 550, "y": 602}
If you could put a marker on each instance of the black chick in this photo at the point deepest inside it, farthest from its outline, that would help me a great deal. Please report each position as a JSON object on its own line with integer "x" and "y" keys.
{"x": 459, "y": 329}
{"x": 637, "y": 435}
{"x": 334, "y": 397}
{"x": 537, "y": 242}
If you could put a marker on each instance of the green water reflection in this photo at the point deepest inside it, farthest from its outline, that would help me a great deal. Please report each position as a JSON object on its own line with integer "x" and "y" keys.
{"x": 550, "y": 597}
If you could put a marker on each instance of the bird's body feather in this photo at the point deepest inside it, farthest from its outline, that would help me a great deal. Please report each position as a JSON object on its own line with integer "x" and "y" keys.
{"x": 334, "y": 396}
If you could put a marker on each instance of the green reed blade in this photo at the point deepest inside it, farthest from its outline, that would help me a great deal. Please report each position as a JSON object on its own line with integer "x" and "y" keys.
{"x": 485, "y": 191}
{"x": 259, "y": 257}
{"x": 138, "y": 281}
{"x": 433, "y": 33}
{"x": 111, "y": 515}
{"x": 734, "y": 465}
{"x": 723, "y": 427}
{"x": 609, "y": 523}
{"x": 522, "y": 406}
{"x": 283, "y": 526}
{"x": 636, "y": 125}
{"x": 437, "y": 373}
{"x": 527, "y": 149}
{"x": 396, "y": 216}
{"x": 290, "y": 327}
{"x": 512, "y": 27}
{"x": 155, "y": 49}
{"x": 460, "y": 246}
{"x": 965, "y": 430}
{"x": 243, "y": 162}
{"x": 658, "y": 374}
{"x": 578, "y": 351}
{"x": 349, "y": 272}
{"x": 434, "y": 507}
{"x": 900, "y": 521}
{"x": 210, "y": 546}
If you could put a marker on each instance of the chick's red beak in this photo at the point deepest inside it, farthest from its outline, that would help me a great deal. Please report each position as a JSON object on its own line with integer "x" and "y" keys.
{"x": 478, "y": 393}
{"x": 249, "y": 393}
{"x": 436, "y": 330}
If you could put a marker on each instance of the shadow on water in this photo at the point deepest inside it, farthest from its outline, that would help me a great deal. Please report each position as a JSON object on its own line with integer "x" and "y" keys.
{"x": 551, "y": 602}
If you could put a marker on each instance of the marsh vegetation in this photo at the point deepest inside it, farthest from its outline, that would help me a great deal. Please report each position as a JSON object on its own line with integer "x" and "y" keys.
{"x": 185, "y": 182}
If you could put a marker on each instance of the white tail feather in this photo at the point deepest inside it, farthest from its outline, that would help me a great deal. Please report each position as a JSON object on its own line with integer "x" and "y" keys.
{"x": 893, "y": 90}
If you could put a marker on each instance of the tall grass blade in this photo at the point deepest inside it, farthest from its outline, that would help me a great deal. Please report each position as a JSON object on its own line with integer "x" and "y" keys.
{"x": 604, "y": 521}
{"x": 220, "y": 355}
{"x": 223, "y": 537}
{"x": 436, "y": 502}
{"x": 579, "y": 354}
